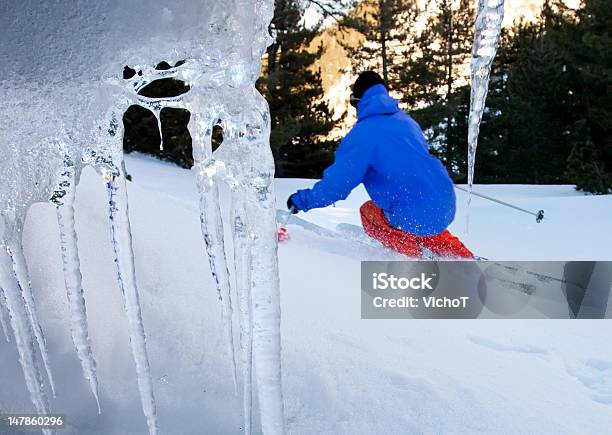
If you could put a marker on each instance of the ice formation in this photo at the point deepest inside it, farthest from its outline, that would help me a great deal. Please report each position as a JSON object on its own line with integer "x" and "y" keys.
{"x": 63, "y": 95}
{"x": 3, "y": 320}
{"x": 63, "y": 199}
{"x": 22, "y": 331}
{"x": 489, "y": 17}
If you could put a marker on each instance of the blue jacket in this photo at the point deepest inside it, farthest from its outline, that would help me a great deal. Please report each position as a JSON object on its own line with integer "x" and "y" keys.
{"x": 387, "y": 152}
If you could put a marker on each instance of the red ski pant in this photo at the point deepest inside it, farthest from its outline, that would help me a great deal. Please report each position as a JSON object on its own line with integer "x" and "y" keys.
{"x": 377, "y": 226}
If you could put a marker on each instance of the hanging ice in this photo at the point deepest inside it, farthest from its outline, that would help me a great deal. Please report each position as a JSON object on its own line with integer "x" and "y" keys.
{"x": 3, "y": 314}
{"x": 245, "y": 162}
{"x": 121, "y": 239}
{"x": 62, "y": 97}
{"x": 22, "y": 331}
{"x": 211, "y": 221}
{"x": 23, "y": 181}
{"x": 242, "y": 267}
{"x": 15, "y": 251}
{"x": 487, "y": 29}
{"x": 63, "y": 198}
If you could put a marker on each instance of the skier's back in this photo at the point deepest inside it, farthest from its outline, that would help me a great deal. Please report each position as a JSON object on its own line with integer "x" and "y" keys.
{"x": 413, "y": 199}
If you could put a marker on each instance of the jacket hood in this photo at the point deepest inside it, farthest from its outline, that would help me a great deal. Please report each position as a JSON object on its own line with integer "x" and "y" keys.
{"x": 376, "y": 101}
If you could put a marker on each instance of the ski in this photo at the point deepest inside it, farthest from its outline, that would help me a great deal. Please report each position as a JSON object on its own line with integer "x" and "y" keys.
{"x": 356, "y": 243}
{"x": 353, "y": 236}
{"x": 334, "y": 241}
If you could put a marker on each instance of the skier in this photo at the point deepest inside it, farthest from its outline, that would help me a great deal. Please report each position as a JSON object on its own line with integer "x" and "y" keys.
{"x": 412, "y": 196}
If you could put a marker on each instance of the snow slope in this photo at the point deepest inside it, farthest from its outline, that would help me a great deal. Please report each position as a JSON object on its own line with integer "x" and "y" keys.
{"x": 342, "y": 375}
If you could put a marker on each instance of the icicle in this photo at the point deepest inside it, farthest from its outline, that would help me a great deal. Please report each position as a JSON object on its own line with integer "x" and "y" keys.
{"x": 486, "y": 37}
{"x": 265, "y": 299}
{"x": 242, "y": 267}
{"x": 121, "y": 239}
{"x": 265, "y": 292}
{"x": 15, "y": 250}
{"x": 212, "y": 224}
{"x": 64, "y": 200}
{"x": 2, "y": 316}
{"x": 157, "y": 113}
{"x": 22, "y": 331}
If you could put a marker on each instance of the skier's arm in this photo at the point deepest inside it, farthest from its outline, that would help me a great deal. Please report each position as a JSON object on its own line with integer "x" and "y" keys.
{"x": 351, "y": 164}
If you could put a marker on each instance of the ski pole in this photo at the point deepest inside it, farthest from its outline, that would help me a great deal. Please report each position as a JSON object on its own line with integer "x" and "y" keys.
{"x": 539, "y": 215}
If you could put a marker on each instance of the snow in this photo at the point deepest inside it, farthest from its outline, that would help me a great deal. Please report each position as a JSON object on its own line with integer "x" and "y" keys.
{"x": 341, "y": 374}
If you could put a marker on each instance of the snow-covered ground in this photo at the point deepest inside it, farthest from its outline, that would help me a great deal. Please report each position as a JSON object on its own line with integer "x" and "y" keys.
{"x": 342, "y": 375}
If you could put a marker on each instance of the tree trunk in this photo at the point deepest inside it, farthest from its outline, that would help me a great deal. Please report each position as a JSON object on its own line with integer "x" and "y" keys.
{"x": 449, "y": 78}
{"x": 383, "y": 39}
{"x": 271, "y": 50}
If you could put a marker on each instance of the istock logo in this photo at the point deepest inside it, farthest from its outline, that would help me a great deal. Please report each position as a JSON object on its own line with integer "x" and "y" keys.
{"x": 384, "y": 281}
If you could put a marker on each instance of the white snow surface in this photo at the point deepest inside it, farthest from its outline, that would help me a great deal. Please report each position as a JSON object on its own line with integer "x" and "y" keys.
{"x": 341, "y": 374}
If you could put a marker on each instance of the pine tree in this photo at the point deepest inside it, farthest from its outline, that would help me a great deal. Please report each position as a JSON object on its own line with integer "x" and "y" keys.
{"x": 585, "y": 166}
{"x": 301, "y": 120}
{"x": 587, "y": 47}
{"x": 554, "y": 103}
{"x": 385, "y": 26}
{"x": 434, "y": 77}
{"x": 538, "y": 109}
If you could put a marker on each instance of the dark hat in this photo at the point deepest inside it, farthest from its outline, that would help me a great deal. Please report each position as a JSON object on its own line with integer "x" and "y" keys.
{"x": 365, "y": 81}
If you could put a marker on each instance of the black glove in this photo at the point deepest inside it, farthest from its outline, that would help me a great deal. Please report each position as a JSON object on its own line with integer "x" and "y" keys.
{"x": 291, "y": 205}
